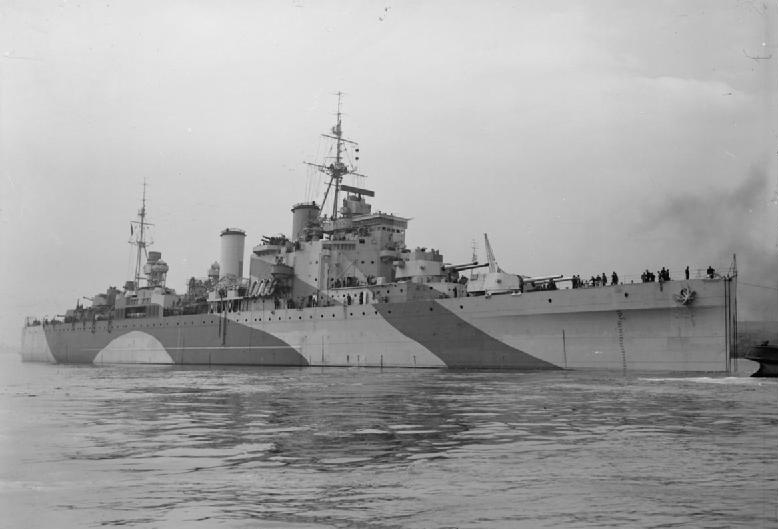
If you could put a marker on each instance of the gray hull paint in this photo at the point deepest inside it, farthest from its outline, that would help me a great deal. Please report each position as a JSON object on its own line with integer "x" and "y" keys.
{"x": 453, "y": 340}
{"x": 629, "y": 327}
{"x": 186, "y": 339}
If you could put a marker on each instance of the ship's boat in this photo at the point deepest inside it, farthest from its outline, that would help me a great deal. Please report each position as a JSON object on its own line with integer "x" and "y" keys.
{"x": 343, "y": 289}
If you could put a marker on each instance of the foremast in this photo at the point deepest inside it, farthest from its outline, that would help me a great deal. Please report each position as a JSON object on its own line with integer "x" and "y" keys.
{"x": 336, "y": 170}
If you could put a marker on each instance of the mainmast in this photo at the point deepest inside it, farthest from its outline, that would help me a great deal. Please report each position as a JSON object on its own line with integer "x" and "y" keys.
{"x": 475, "y": 257}
{"x": 138, "y": 228}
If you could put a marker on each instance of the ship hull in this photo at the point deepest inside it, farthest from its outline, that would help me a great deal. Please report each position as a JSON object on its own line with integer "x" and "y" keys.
{"x": 635, "y": 327}
{"x": 767, "y": 357}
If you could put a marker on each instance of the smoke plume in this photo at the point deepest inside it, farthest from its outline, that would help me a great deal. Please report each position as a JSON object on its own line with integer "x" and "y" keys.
{"x": 720, "y": 223}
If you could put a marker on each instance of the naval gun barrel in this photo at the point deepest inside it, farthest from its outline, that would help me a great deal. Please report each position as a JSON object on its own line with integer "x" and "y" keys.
{"x": 544, "y": 279}
{"x": 460, "y": 268}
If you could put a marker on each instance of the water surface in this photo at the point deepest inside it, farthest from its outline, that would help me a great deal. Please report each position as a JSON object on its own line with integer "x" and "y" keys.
{"x": 141, "y": 446}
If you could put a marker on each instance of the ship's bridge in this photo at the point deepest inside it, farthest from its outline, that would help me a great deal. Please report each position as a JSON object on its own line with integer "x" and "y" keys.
{"x": 381, "y": 221}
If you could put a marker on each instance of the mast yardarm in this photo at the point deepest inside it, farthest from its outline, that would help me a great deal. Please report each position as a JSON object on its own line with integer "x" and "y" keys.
{"x": 338, "y": 168}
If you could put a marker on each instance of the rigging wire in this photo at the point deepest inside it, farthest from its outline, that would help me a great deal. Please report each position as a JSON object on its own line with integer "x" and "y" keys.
{"x": 740, "y": 282}
{"x": 130, "y": 262}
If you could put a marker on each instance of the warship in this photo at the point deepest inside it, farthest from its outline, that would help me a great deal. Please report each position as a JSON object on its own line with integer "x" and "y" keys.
{"x": 343, "y": 289}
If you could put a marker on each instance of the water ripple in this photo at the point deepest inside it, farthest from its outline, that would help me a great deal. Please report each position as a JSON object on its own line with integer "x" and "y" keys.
{"x": 171, "y": 447}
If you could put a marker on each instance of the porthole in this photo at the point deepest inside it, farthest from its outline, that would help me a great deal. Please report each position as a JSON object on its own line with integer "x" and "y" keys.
{"x": 549, "y": 300}
{"x": 461, "y": 307}
{"x": 322, "y": 315}
{"x": 431, "y": 309}
{"x": 626, "y": 294}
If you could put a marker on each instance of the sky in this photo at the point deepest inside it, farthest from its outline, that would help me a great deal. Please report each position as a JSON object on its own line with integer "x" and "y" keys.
{"x": 583, "y": 137}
